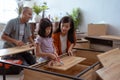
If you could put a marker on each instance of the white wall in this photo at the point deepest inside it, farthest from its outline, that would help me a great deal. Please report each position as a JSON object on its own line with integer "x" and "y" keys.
{"x": 94, "y": 11}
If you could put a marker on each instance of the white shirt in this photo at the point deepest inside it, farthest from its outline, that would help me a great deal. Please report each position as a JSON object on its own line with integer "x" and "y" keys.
{"x": 21, "y": 33}
{"x": 63, "y": 40}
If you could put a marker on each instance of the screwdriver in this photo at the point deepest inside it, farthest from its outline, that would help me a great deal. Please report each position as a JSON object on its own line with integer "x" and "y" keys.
{"x": 58, "y": 58}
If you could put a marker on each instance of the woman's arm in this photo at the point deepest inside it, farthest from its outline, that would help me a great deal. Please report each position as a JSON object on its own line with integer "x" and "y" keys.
{"x": 70, "y": 49}
{"x": 56, "y": 44}
{"x": 72, "y": 45}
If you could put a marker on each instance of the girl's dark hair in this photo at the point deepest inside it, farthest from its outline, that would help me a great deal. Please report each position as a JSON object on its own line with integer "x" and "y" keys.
{"x": 67, "y": 19}
{"x": 44, "y": 23}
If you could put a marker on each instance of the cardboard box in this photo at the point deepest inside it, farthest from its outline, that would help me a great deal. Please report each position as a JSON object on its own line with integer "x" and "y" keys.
{"x": 97, "y": 29}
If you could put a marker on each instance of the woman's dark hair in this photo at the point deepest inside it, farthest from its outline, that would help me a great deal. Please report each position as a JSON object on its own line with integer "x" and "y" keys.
{"x": 44, "y": 23}
{"x": 67, "y": 19}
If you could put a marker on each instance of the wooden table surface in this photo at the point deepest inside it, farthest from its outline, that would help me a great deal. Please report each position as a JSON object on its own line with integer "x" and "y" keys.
{"x": 111, "y": 37}
{"x": 15, "y": 50}
{"x": 82, "y": 40}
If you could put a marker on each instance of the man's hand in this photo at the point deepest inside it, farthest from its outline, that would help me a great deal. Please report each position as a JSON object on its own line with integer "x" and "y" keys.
{"x": 33, "y": 45}
{"x": 19, "y": 43}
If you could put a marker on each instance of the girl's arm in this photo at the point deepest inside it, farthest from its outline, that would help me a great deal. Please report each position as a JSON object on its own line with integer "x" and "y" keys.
{"x": 42, "y": 54}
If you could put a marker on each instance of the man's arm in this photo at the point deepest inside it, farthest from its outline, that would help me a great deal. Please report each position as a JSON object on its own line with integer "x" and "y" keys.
{"x": 8, "y": 39}
{"x": 32, "y": 41}
{"x": 11, "y": 40}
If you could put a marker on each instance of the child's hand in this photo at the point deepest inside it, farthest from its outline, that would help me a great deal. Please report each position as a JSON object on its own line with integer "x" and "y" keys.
{"x": 58, "y": 60}
{"x": 52, "y": 56}
{"x": 51, "y": 63}
{"x": 55, "y": 63}
{"x": 56, "y": 54}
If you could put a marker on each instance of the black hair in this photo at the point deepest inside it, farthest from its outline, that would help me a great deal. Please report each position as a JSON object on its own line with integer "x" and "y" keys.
{"x": 44, "y": 23}
{"x": 67, "y": 19}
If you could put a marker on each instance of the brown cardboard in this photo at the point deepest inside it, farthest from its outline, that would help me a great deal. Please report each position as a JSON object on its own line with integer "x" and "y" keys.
{"x": 97, "y": 29}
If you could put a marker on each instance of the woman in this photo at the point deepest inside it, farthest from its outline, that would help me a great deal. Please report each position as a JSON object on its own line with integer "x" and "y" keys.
{"x": 64, "y": 37}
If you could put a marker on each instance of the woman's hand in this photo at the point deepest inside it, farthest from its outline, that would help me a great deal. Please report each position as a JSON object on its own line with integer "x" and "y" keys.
{"x": 70, "y": 53}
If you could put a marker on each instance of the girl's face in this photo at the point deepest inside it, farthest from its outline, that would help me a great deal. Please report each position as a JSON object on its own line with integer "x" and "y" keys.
{"x": 48, "y": 30}
{"x": 65, "y": 27}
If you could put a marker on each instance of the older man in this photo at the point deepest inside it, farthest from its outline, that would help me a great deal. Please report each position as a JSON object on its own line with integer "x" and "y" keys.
{"x": 16, "y": 33}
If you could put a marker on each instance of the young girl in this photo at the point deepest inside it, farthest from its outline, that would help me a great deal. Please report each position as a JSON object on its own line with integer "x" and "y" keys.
{"x": 64, "y": 37}
{"x": 44, "y": 41}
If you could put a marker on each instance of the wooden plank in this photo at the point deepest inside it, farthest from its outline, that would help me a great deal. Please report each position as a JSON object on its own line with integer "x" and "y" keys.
{"x": 110, "y": 73}
{"x": 69, "y": 61}
{"x": 82, "y": 40}
{"x": 110, "y": 57}
{"x": 15, "y": 50}
{"x": 110, "y": 37}
{"x": 35, "y": 75}
{"x": 82, "y": 45}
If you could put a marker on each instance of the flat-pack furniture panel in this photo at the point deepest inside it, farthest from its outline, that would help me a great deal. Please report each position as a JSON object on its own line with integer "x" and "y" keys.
{"x": 68, "y": 62}
{"x": 15, "y": 50}
{"x": 111, "y": 72}
{"x": 110, "y": 57}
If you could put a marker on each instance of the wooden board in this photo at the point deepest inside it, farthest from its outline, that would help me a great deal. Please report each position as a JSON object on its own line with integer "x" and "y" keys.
{"x": 110, "y": 57}
{"x": 82, "y": 40}
{"x": 69, "y": 61}
{"x": 35, "y": 75}
{"x": 15, "y": 50}
{"x": 110, "y": 73}
{"x": 110, "y": 37}
{"x": 82, "y": 45}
